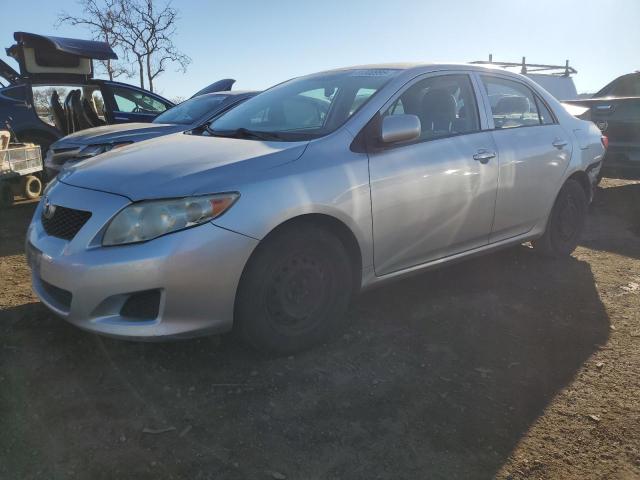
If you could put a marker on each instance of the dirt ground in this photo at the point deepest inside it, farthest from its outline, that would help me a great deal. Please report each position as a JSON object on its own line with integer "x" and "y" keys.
{"x": 507, "y": 366}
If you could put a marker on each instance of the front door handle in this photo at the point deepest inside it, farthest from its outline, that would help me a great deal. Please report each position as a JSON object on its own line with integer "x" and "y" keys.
{"x": 559, "y": 143}
{"x": 483, "y": 156}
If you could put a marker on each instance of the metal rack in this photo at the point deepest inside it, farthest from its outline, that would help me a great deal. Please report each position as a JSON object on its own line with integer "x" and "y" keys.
{"x": 526, "y": 68}
{"x": 21, "y": 159}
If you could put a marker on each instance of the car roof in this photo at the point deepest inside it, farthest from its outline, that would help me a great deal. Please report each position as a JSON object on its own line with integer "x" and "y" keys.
{"x": 425, "y": 67}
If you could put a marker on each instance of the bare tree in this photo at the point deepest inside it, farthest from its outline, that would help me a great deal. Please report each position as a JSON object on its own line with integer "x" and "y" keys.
{"x": 102, "y": 19}
{"x": 148, "y": 33}
{"x": 140, "y": 29}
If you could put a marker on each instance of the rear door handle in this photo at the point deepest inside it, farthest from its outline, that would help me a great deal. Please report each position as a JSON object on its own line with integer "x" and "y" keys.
{"x": 559, "y": 143}
{"x": 483, "y": 156}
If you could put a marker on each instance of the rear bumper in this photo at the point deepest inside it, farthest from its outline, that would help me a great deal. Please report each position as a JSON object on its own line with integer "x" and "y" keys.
{"x": 622, "y": 156}
{"x": 193, "y": 273}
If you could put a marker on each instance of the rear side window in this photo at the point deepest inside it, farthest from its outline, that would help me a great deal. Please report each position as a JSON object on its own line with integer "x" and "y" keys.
{"x": 546, "y": 117}
{"x": 512, "y": 103}
{"x": 445, "y": 105}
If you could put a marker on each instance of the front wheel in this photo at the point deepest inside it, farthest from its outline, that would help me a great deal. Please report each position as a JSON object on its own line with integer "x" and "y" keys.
{"x": 294, "y": 291}
{"x": 566, "y": 222}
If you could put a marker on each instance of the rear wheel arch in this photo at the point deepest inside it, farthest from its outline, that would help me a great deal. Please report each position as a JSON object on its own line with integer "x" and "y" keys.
{"x": 583, "y": 179}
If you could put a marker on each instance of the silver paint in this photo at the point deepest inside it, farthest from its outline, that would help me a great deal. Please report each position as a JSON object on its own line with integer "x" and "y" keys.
{"x": 409, "y": 207}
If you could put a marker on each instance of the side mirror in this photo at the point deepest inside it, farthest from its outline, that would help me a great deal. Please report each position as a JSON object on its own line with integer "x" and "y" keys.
{"x": 400, "y": 128}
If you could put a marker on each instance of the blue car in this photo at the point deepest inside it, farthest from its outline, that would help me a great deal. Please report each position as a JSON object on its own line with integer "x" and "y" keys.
{"x": 54, "y": 92}
{"x": 188, "y": 115}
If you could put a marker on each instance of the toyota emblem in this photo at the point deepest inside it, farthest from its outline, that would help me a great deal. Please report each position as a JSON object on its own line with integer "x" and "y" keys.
{"x": 49, "y": 210}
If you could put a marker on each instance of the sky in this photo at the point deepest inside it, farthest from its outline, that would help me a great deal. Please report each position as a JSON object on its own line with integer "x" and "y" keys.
{"x": 261, "y": 43}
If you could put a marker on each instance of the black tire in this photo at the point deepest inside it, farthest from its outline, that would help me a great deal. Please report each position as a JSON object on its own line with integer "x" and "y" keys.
{"x": 6, "y": 195}
{"x": 566, "y": 222}
{"x": 31, "y": 187}
{"x": 294, "y": 291}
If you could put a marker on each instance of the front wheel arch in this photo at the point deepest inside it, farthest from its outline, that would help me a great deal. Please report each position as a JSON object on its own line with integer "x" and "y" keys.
{"x": 335, "y": 227}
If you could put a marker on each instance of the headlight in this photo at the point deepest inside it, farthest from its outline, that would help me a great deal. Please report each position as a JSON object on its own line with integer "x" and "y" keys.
{"x": 93, "y": 150}
{"x": 147, "y": 220}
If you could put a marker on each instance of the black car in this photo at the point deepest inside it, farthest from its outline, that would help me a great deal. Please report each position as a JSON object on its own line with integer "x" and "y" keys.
{"x": 615, "y": 109}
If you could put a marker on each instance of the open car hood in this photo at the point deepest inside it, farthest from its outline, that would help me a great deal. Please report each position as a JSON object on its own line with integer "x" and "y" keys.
{"x": 223, "y": 85}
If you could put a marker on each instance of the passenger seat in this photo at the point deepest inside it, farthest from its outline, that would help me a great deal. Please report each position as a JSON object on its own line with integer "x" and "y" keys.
{"x": 81, "y": 120}
{"x": 58, "y": 114}
{"x": 68, "y": 111}
{"x": 90, "y": 113}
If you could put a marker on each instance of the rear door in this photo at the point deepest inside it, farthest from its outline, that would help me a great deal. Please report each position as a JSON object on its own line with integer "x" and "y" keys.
{"x": 534, "y": 152}
{"x": 125, "y": 103}
{"x": 433, "y": 197}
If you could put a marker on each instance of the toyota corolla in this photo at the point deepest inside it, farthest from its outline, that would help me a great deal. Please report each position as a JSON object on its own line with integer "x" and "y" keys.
{"x": 271, "y": 218}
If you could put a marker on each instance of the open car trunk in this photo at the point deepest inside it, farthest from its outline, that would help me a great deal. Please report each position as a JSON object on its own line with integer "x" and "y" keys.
{"x": 47, "y": 59}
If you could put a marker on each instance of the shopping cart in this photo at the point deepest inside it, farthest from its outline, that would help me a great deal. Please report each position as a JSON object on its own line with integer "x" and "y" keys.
{"x": 20, "y": 167}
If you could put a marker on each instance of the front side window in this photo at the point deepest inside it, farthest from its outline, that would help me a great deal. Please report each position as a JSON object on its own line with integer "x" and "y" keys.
{"x": 512, "y": 103}
{"x": 303, "y": 108}
{"x": 133, "y": 101}
{"x": 445, "y": 105}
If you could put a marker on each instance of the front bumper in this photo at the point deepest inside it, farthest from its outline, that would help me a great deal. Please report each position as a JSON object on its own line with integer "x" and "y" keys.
{"x": 196, "y": 272}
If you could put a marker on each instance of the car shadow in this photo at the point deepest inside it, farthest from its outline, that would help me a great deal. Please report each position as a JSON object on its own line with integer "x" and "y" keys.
{"x": 614, "y": 221}
{"x": 437, "y": 376}
{"x": 14, "y": 222}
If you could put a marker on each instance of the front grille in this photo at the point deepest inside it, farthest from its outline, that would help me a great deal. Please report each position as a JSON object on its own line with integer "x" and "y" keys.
{"x": 65, "y": 222}
{"x": 59, "y": 295}
{"x": 142, "y": 305}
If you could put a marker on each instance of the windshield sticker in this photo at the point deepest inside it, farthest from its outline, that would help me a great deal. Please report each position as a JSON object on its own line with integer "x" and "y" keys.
{"x": 370, "y": 72}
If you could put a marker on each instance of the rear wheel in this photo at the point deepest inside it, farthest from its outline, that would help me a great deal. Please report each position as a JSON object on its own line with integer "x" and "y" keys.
{"x": 565, "y": 223}
{"x": 32, "y": 187}
{"x": 295, "y": 290}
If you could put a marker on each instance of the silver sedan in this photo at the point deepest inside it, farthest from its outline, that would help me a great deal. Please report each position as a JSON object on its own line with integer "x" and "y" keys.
{"x": 271, "y": 218}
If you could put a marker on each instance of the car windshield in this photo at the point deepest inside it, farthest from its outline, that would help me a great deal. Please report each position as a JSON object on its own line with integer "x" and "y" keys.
{"x": 190, "y": 110}
{"x": 302, "y": 108}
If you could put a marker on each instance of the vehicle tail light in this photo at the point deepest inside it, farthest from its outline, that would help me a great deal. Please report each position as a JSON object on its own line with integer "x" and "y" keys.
{"x": 605, "y": 141}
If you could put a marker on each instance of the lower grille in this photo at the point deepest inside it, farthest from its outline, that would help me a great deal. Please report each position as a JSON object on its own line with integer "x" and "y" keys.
{"x": 65, "y": 222}
{"x": 142, "y": 305}
{"x": 59, "y": 295}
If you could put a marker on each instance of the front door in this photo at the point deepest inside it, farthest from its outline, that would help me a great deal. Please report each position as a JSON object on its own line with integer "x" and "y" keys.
{"x": 128, "y": 104}
{"x": 534, "y": 154}
{"x": 433, "y": 197}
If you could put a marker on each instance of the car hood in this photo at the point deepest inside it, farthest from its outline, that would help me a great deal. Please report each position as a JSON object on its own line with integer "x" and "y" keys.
{"x": 125, "y": 132}
{"x": 179, "y": 165}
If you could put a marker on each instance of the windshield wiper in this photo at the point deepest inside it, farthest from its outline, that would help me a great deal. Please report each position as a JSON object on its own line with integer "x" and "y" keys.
{"x": 244, "y": 133}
